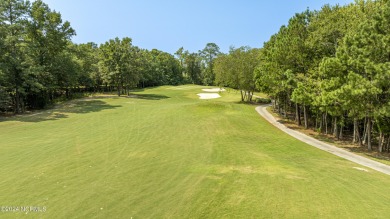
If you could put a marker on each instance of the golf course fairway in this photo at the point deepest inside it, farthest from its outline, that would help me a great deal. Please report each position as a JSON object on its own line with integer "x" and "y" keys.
{"x": 165, "y": 153}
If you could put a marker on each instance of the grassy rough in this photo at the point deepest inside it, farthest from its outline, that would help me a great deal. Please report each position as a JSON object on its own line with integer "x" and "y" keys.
{"x": 162, "y": 153}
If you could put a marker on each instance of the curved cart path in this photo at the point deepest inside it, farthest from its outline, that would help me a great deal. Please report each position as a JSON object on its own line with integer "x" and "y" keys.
{"x": 324, "y": 146}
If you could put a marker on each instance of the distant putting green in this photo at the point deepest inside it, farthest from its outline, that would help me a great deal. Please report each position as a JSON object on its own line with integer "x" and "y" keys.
{"x": 164, "y": 153}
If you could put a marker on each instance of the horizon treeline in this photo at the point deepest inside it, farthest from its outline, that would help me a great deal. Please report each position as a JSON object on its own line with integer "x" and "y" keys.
{"x": 40, "y": 64}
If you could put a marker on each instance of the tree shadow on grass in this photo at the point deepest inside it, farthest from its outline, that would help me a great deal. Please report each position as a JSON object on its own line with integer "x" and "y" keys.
{"x": 148, "y": 96}
{"x": 138, "y": 90}
{"x": 61, "y": 111}
{"x": 86, "y": 106}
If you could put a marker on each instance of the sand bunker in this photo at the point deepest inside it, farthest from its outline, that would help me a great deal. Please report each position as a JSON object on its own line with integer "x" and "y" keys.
{"x": 207, "y": 96}
{"x": 214, "y": 90}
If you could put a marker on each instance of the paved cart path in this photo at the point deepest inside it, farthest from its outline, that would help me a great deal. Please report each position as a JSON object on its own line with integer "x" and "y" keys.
{"x": 324, "y": 146}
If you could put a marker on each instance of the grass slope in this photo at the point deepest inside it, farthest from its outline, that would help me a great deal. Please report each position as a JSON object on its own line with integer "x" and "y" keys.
{"x": 165, "y": 154}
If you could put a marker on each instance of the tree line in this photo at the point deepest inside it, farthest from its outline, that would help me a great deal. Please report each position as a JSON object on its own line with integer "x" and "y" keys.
{"x": 327, "y": 69}
{"x": 39, "y": 63}
{"x": 330, "y": 70}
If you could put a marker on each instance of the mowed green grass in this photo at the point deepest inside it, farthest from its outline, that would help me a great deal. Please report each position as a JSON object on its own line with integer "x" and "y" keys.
{"x": 163, "y": 153}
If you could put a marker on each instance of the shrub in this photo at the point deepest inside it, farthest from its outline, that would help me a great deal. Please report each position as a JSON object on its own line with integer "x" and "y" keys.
{"x": 263, "y": 100}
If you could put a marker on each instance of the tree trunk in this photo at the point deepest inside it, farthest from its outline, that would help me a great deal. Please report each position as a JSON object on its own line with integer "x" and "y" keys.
{"x": 67, "y": 93}
{"x": 298, "y": 114}
{"x": 335, "y": 131}
{"x": 51, "y": 95}
{"x": 17, "y": 101}
{"x": 369, "y": 127}
{"x": 23, "y": 106}
{"x": 326, "y": 123}
{"x": 388, "y": 144}
{"x": 356, "y": 134}
{"x": 365, "y": 131}
{"x": 321, "y": 123}
{"x": 305, "y": 115}
{"x": 381, "y": 139}
{"x": 341, "y": 132}
{"x": 242, "y": 96}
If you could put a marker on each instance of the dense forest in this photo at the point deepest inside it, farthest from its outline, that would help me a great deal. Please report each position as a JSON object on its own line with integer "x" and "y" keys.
{"x": 328, "y": 69}
{"x": 39, "y": 63}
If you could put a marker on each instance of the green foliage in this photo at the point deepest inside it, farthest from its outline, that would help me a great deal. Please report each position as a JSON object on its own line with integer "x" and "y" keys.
{"x": 333, "y": 62}
{"x": 13, "y": 57}
{"x": 263, "y": 100}
{"x": 118, "y": 64}
{"x": 87, "y": 57}
{"x": 236, "y": 70}
{"x": 158, "y": 68}
{"x": 286, "y": 61}
{"x": 34, "y": 45}
{"x": 39, "y": 63}
{"x": 208, "y": 54}
{"x": 5, "y": 100}
{"x": 193, "y": 67}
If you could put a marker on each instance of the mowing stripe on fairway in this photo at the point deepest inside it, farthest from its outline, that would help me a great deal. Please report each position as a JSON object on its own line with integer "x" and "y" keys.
{"x": 164, "y": 153}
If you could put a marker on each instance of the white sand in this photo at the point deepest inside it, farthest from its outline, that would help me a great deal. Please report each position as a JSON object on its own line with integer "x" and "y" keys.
{"x": 208, "y": 96}
{"x": 214, "y": 90}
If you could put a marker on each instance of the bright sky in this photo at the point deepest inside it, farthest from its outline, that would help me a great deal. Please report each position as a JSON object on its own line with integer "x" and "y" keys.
{"x": 168, "y": 25}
